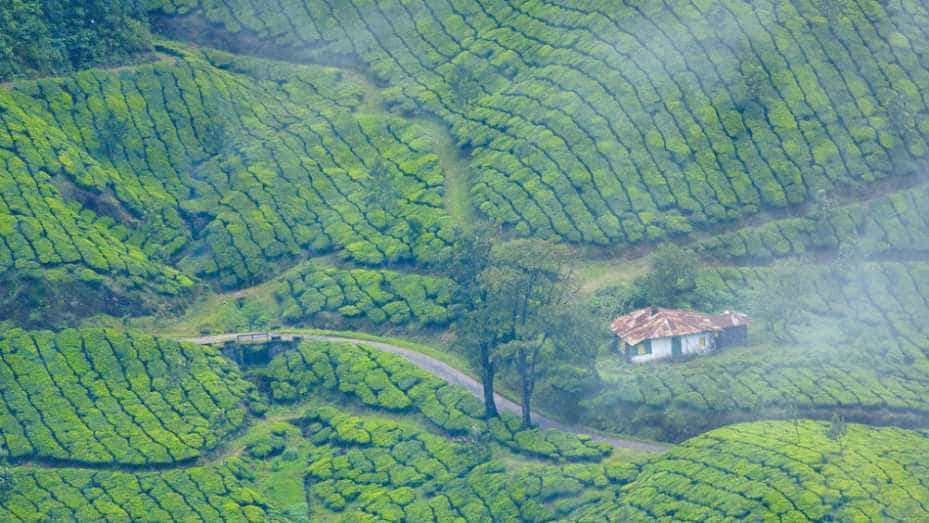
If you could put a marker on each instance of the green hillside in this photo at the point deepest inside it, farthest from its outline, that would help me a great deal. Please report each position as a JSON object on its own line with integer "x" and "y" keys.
{"x": 634, "y": 122}
{"x": 95, "y": 396}
{"x": 443, "y": 197}
{"x": 779, "y": 471}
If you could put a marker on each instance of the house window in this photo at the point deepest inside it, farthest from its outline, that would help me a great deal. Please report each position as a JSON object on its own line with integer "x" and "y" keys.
{"x": 647, "y": 347}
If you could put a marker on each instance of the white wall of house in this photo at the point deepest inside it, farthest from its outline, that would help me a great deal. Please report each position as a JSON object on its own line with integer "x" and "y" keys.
{"x": 697, "y": 343}
{"x": 662, "y": 348}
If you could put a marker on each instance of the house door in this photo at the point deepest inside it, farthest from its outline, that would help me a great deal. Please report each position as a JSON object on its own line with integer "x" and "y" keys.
{"x": 676, "y": 346}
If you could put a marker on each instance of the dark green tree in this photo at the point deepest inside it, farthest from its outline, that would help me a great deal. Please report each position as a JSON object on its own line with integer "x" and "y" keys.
{"x": 476, "y": 335}
{"x": 527, "y": 283}
{"x": 672, "y": 280}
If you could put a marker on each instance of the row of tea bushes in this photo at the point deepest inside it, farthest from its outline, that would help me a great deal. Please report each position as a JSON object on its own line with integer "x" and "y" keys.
{"x": 377, "y": 296}
{"x": 780, "y": 471}
{"x": 389, "y": 382}
{"x": 639, "y": 121}
{"x": 96, "y": 396}
{"x": 894, "y": 223}
{"x": 210, "y": 493}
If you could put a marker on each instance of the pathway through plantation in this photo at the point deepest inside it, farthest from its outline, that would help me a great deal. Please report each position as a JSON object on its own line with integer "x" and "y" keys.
{"x": 452, "y": 375}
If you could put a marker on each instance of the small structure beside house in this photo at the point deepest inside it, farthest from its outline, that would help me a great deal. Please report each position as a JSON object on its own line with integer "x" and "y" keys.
{"x": 654, "y": 333}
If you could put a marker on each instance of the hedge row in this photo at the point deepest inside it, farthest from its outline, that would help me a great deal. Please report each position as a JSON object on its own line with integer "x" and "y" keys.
{"x": 781, "y": 471}
{"x": 226, "y": 166}
{"x": 214, "y": 493}
{"x": 864, "y": 348}
{"x": 635, "y": 121}
{"x": 894, "y": 223}
{"x": 41, "y": 230}
{"x": 98, "y": 396}
{"x": 376, "y": 470}
{"x": 378, "y": 296}
{"x": 387, "y": 381}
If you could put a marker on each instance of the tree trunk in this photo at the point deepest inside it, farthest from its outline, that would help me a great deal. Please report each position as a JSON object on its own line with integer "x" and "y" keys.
{"x": 527, "y": 390}
{"x": 487, "y": 380}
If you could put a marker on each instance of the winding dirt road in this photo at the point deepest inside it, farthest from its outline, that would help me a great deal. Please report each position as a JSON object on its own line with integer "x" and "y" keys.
{"x": 451, "y": 375}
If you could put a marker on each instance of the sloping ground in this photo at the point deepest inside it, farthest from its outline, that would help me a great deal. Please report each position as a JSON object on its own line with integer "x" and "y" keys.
{"x": 224, "y": 167}
{"x": 293, "y": 375}
{"x": 862, "y": 347}
{"x": 217, "y": 493}
{"x": 94, "y": 397}
{"x": 780, "y": 471}
{"x": 889, "y": 226}
{"x": 635, "y": 121}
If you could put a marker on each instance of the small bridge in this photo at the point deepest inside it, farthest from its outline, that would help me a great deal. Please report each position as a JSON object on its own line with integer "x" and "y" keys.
{"x": 251, "y": 348}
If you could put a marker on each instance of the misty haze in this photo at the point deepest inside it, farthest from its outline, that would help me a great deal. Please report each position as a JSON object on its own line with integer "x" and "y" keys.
{"x": 464, "y": 260}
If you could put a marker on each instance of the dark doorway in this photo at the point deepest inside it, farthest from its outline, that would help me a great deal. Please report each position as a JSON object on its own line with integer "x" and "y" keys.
{"x": 676, "y": 347}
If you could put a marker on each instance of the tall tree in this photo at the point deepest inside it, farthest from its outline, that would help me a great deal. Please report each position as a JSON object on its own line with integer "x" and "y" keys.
{"x": 477, "y": 336}
{"x": 527, "y": 283}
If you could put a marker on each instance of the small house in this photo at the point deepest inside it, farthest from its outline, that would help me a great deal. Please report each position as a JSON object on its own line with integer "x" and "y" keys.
{"x": 654, "y": 333}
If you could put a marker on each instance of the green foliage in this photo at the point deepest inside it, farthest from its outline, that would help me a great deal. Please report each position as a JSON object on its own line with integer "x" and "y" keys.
{"x": 637, "y": 122}
{"x": 56, "y": 36}
{"x": 860, "y": 348}
{"x": 211, "y": 493}
{"x": 778, "y": 471}
{"x": 377, "y": 296}
{"x": 387, "y": 381}
{"x": 96, "y": 396}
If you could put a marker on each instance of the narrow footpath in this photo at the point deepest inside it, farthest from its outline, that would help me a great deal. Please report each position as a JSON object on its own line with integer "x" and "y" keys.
{"x": 451, "y": 375}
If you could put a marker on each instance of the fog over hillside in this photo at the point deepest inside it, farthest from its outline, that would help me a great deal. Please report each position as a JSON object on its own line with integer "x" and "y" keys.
{"x": 464, "y": 260}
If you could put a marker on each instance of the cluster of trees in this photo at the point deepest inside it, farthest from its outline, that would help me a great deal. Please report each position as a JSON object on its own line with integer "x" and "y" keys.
{"x": 210, "y": 493}
{"x": 40, "y": 37}
{"x": 98, "y": 396}
{"x": 726, "y": 90}
{"x": 892, "y": 223}
{"x": 807, "y": 476}
{"x": 518, "y": 311}
{"x": 386, "y": 381}
{"x": 374, "y": 295}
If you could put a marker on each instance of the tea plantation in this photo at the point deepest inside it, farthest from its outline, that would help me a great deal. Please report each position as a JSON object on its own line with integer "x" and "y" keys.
{"x": 779, "y": 471}
{"x": 864, "y": 352}
{"x": 104, "y": 397}
{"x": 330, "y": 169}
{"x": 185, "y": 163}
{"x": 636, "y": 121}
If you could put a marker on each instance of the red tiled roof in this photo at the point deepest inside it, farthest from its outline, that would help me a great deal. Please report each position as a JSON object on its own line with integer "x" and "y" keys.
{"x": 654, "y": 322}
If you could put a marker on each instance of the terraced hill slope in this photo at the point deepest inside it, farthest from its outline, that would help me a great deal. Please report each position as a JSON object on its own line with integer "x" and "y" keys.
{"x": 637, "y": 121}
{"x": 257, "y": 164}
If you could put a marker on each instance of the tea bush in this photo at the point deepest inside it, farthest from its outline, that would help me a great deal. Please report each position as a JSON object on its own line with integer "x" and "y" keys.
{"x": 387, "y": 381}
{"x": 214, "y": 493}
{"x": 770, "y": 471}
{"x": 634, "y": 122}
{"x": 103, "y": 397}
{"x": 377, "y": 296}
